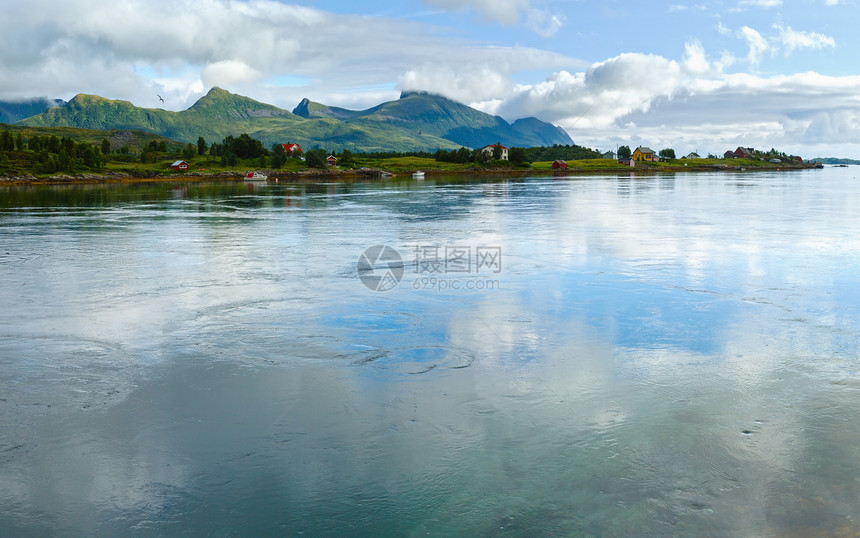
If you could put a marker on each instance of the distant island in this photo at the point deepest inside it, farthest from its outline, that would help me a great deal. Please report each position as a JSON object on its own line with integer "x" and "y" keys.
{"x": 223, "y": 135}
{"x": 834, "y": 160}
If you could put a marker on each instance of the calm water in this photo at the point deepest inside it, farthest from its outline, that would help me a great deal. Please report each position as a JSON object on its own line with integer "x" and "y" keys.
{"x": 599, "y": 356}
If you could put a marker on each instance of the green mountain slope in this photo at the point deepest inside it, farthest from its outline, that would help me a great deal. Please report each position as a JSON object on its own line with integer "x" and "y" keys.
{"x": 416, "y": 121}
{"x": 12, "y": 111}
{"x": 541, "y": 133}
{"x": 309, "y": 109}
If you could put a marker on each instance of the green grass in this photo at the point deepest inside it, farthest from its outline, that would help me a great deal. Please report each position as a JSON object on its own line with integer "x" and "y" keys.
{"x": 411, "y": 164}
{"x": 583, "y": 164}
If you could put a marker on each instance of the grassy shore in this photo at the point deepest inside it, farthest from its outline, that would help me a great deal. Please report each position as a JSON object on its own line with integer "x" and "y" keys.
{"x": 19, "y": 167}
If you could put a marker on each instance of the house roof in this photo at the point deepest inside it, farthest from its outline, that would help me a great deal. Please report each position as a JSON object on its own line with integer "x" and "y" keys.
{"x": 644, "y": 149}
{"x": 493, "y": 146}
{"x": 177, "y": 163}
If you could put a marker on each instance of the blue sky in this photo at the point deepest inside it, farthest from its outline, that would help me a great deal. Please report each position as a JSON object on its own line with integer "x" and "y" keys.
{"x": 707, "y": 76}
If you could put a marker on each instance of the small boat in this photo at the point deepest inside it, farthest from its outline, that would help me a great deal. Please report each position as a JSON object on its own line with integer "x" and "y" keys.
{"x": 418, "y": 175}
{"x": 255, "y": 176}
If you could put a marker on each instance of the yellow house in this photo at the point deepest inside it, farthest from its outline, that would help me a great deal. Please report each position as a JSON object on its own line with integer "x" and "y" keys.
{"x": 645, "y": 154}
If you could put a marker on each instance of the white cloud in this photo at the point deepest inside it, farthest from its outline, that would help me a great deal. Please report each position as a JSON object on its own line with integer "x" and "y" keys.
{"x": 761, "y": 3}
{"x": 228, "y": 73}
{"x": 508, "y": 13}
{"x": 758, "y": 45}
{"x": 792, "y": 40}
{"x": 131, "y": 50}
{"x": 458, "y": 82}
{"x": 693, "y": 104}
{"x": 543, "y": 22}
{"x": 787, "y": 40}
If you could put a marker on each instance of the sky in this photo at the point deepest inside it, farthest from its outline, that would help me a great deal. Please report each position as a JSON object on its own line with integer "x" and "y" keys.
{"x": 706, "y": 76}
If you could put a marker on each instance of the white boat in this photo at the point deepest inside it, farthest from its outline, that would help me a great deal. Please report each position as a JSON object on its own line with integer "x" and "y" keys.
{"x": 255, "y": 176}
{"x": 418, "y": 175}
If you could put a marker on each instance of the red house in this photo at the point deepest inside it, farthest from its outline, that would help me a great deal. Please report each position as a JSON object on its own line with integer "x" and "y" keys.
{"x": 292, "y": 149}
{"x": 559, "y": 165}
{"x": 743, "y": 153}
{"x": 179, "y": 165}
{"x": 332, "y": 160}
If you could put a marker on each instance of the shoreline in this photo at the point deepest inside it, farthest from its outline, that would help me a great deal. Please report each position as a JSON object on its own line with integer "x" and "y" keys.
{"x": 372, "y": 173}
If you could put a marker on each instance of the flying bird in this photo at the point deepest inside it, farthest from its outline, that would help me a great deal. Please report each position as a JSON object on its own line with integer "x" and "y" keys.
{"x": 159, "y": 98}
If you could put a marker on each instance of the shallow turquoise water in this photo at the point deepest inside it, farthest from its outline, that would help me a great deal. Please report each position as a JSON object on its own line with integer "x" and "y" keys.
{"x": 604, "y": 355}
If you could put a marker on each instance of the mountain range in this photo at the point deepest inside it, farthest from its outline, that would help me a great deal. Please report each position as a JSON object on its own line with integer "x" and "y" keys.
{"x": 416, "y": 121}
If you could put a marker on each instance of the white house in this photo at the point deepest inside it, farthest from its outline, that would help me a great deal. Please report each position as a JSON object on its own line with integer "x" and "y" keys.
{"x": 490, "y": 148}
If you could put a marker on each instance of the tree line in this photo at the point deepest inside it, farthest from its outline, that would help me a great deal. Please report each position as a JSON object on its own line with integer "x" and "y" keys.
{"x": 54, "y": 154}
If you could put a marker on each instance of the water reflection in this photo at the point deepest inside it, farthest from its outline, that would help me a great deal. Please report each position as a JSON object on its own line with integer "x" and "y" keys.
{"x": 664, "y": 355}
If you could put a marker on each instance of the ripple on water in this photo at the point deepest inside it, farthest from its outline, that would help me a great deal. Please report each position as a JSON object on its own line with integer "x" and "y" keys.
{"x": 417, "y": 360}
{"x": 67, "y": 372}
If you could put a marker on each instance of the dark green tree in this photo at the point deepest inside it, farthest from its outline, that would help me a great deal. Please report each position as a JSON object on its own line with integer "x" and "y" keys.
{"x": 90, "y": 157}
{"x": 228, "y": 158}
{"x": 624, "y": 152}
{"x": 188, "y": 152}
{"x": 65, "y": 161}
{"x": 201, "y": 146}
{"x": 517, "y": 155}
{"x": 316, "y": 158}
{"x": 667, "y": 154}
{"x": 6, "y": 141}
{"x": 68, "y": 144}
{"x": 19, "y": 142}
{"x": 49, "y": 165}
{"x": 346, "y": 159}
{"x": 54, "y": 144}
{"x": 105, "y": 146}
{"x": 279, "y": 156}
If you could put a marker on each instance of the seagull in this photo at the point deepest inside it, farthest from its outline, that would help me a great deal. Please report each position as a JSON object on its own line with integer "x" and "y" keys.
{"x": 159, "y": 98}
